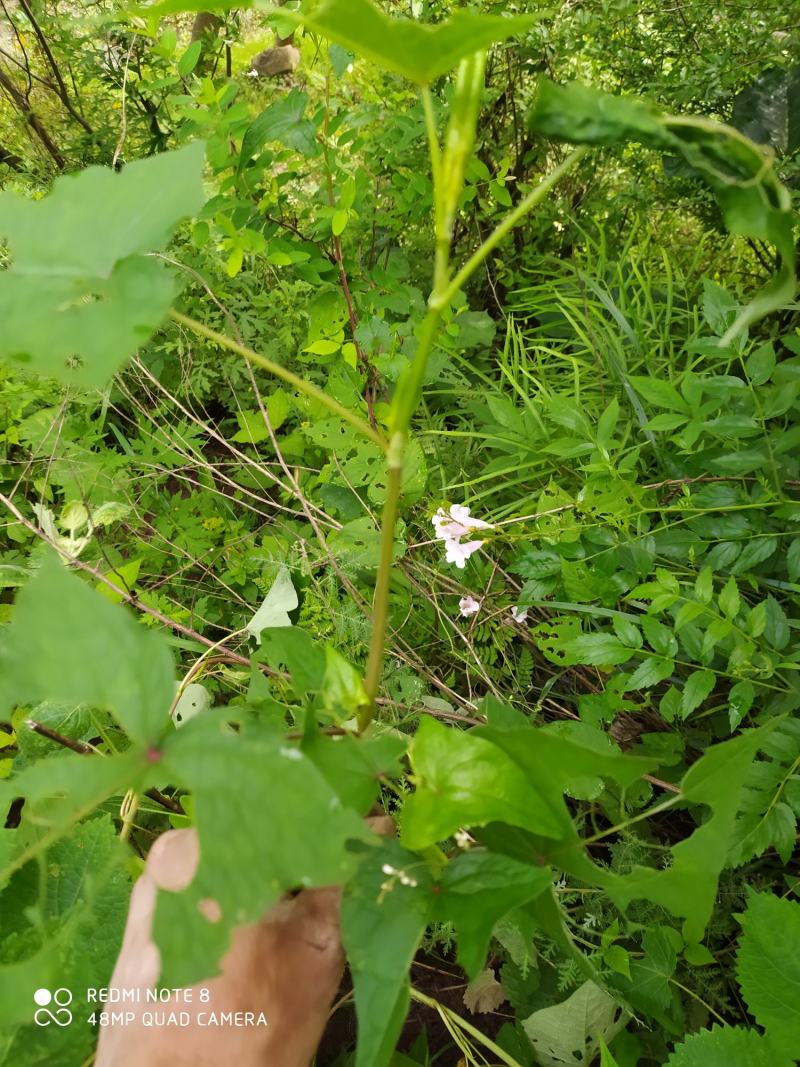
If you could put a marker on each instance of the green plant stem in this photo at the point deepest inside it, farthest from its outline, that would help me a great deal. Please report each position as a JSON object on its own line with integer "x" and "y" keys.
{"x": 310, "y": 390}
{"x": 404, "y": 406}
{"x": 442, "y": 298}
{"x": 408, "y": 394}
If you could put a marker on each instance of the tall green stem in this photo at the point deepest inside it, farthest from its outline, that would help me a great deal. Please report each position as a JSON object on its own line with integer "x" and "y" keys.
{"x": 410, "y": 389}
{"x": 535, "y": 196}
{"x": 404, "y": 406}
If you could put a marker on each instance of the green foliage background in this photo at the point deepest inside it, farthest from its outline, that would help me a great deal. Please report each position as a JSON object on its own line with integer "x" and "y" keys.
{"x": 598, "y": 799}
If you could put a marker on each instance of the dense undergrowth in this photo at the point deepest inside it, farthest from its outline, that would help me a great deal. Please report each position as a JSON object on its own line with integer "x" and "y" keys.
{"x": 607, "y": 870}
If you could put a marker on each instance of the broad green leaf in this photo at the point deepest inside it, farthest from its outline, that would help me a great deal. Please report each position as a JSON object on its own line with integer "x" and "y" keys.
{"x": 67, "y": 643}
{"x": 78, "y": 298}
{"x": 650, "y": 672}
{"x": 82, "y": 905}
{"x": 727, "y": 1046}
{"x": 419, "y": 51}
{"x": 753, "y": 202}
{"x": 570, "y": 1032}
{"x": 660, "y": 394}
{"x": 740, "y": 700}
{"x": 385, "y": 911}
{"x": 343, "y": 690}
{"x": 464, "y": 780}
{"x": 551, "y": 763}
{"x": 255, "y": 795}
{"x": 275, "y": 608}
{"x": 688, "y": 886}
{"x": 61, "y": 791}
{"x": 282, "y": 121}
{"x": 475, "y": 891}
{"x": 768, "y": 966}
{"x": 354, "y": 767}
{"x": 648, "y": 988}
{"x": 603, "y": 649}
{"x": 295, "y": 649}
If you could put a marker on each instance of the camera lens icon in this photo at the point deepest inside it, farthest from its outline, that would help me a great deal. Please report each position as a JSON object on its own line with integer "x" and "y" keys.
{"x": 59, "y": 1013}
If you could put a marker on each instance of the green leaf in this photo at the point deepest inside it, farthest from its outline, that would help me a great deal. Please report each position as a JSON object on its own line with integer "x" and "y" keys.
{"x": 768, "y": 966}
{"x": 282, "y": 121}
{"x": 760, "y": 364}
{"x": 68, "y": 643}
{"x": 189, "y": 59}
{"x": 78, "y": 299}
{"x": 729, "y": 600}
{"x": 60, "y": 791}
{"x": 698, "y": 686}
{"x": 753, "y": 202}
{"x": 82, "y": 902}
{"x": 463, "y": 780}
{"x": 385, "y": 910}
{"x": 355, "y": 767}
{"x": 603, "y": 649}
{"x": 648, "y": 988}
{"x": 688, "y": 886}
{"x": 650, "y": 672}
{"x": 275, "y": 608}
{"x": 727, "y": 1046}
{"x": 570, "y": 1032}
{"x": 279, "y": 828}
{"x": 606, "y": 1059}
{"x": 476, "y": 890}
{"x": 295, "y": 649}
{"x": 659, "y": 393}
{"x": 740, "y": 700}
{"x": 419, "y": 51}
{"x": 552, "y": 764}
{"x": 776, "y": 629}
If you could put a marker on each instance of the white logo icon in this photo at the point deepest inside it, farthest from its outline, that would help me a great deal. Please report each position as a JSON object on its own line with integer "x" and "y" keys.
{"x": 60, "y": 1015}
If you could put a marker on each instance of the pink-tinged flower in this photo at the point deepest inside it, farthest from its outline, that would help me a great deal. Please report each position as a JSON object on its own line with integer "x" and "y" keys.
{"x": 451, "y": 526}
{"x": 454, "y": 526}
{"x": 519, "y": 614}
{"x": 467, "y": 606}
{"x": 458, "y": 552}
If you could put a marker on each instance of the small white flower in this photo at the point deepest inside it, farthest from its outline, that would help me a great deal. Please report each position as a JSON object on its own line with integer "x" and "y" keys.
{"x": 519, "y": 614}
{"x": 454, "y": 526}
{"x": 467, "y": 606}
{"x": 463, "y": 840}
{"x": 451, "y": 526}
{"x": 251, "y": 74}
{"x": 458, "y": 552}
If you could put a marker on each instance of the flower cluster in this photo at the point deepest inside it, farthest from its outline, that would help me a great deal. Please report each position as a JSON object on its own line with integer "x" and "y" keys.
{"x": 454, "y": 525}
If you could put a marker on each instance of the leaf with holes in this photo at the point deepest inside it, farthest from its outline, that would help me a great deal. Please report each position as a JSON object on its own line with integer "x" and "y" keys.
{"x": 570, "y": 1033}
